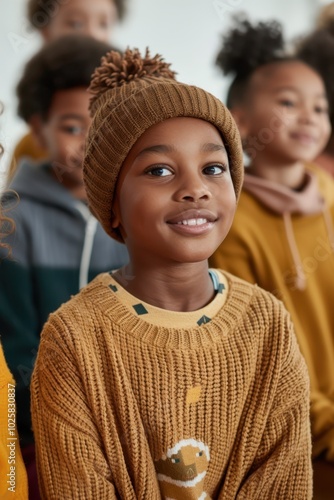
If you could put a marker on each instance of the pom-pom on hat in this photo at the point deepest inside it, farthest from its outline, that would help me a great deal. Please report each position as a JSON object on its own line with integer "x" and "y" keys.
{"x": 130, "y": 94}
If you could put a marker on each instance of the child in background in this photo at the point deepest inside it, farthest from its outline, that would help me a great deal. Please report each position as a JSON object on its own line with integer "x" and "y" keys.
{"x": 282, "y": 237}
{"x": 184, "y": 382}
{"x": 317, "y": 50}
{"x": 13, "y": 477}
{"x": 53, "y": 19}
{"x": 58, "y": 246}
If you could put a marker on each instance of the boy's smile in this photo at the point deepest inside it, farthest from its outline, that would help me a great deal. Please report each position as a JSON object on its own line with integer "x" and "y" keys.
{"x": 175, "y": 199}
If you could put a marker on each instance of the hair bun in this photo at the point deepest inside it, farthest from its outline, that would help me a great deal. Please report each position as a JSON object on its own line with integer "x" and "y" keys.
{"x": 119, "y": 69}
{"x": 247, "y": 46}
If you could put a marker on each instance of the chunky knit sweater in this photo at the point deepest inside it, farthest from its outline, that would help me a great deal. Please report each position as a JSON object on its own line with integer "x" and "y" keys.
{"x": 215, "y": 408}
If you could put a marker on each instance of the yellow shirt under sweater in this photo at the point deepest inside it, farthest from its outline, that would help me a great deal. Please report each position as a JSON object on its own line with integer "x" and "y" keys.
{"x": 257, "y": 250}
{"x": 13, "y": 478}
{"x": 212, "y": 403}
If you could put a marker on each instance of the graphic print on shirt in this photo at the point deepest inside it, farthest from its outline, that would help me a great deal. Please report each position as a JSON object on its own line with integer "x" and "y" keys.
{"x": 181, "y": 472}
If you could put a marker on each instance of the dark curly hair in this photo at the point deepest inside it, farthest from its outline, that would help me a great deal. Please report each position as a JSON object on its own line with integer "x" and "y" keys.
{"x": 7, "y": 225}
{"x": 40, "y": 12}
{"x": 317, "y": 50}
{"x": 65, "y": 63}
{"x": 245, "y": 48}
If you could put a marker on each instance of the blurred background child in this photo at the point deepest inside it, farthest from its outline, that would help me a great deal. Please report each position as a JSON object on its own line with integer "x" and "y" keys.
{"x": 13, "y": 477}
{"x": 317, "y": 50}
{"x": 282, "y": 237}
{"x": 58, "y": 246}
{"x": 53, "y": 19}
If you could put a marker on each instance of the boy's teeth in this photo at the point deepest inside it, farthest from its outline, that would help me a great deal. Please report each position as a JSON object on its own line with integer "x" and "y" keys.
{"x": 193, "y": 222}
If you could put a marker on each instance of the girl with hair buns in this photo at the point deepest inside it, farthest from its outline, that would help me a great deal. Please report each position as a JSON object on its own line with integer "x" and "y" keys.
{"x": 317, "y": 50}
{"x": 282, "y": 237}
{"x": 167, "y": 379}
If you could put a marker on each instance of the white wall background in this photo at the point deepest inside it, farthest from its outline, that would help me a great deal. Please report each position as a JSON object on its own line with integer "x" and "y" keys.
{"x": 186, "y": 32}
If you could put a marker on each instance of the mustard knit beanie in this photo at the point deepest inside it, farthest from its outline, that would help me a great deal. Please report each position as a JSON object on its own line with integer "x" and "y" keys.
{"x": 130, "y": 94}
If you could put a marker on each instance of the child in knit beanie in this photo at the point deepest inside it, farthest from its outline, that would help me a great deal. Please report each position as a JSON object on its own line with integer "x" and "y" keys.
{"x": 167, "y": 379}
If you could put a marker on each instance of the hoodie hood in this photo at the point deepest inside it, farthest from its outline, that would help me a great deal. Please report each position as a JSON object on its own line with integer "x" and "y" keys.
{"x": 34, "y": 181}
{"x": 280, "y": 199}
{"x": 287, "y": 202}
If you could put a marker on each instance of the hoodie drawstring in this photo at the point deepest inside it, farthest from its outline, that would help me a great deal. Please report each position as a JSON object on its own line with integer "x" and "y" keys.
{"x": 90, "y": 230}
{"x": 329, "y": 225}
{"x": 300, "y": 280}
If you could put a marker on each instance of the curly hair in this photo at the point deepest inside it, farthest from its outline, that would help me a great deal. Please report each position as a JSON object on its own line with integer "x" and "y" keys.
{"x": 317, "y": 50}
{"x": 6, "y": 224}
{"x": 245, "y": 48}
{"x": 40, "y": 12}
{"x": 65, "y": 63}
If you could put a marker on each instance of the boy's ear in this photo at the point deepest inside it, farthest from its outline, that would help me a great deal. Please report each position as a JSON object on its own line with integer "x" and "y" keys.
{"x": 37, "y": 125}
{"x": 115, "y": 219}
{"x": 241, "y": 120}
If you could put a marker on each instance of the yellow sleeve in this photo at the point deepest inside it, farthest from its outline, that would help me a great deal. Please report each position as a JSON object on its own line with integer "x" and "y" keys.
{"x": 26, "y": 147}
{"x": 234, "y": 257}
{"x": 13, "y": 478}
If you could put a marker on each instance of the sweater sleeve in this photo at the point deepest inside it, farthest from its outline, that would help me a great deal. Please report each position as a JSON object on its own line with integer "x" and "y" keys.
{"x": 70, "y": 456}
{"x": 283, "y": 468}
{"x": 13, "y": 478}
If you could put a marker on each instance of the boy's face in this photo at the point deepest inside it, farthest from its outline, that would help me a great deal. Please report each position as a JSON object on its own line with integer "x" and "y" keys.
{"x": 175, "y": 199}
{"x": 286, "y": 117}
{"x": 95, "y": 18}
{"x": 63, "y": 134}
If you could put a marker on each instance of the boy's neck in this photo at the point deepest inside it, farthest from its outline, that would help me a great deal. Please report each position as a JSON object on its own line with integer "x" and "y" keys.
{"x": 288, "y": 175}
{"x": 181, "y": 288}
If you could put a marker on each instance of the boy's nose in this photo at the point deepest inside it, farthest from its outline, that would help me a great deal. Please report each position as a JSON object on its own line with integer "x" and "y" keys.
{"x": 307, "y": 115}
{"x": 194, "y": 190}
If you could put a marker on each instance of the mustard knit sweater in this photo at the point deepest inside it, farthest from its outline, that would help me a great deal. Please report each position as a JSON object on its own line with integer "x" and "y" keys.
{"x": 126, "y": 408}
{"x": 257, "y": 250}
{"x": 13, "y": 477}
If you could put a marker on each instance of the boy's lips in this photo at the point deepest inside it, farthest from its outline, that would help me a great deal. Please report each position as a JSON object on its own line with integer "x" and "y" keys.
{"x": 304, "y": 137}
{"x": 190, "y": 215}
{"x": 193, "y": 222}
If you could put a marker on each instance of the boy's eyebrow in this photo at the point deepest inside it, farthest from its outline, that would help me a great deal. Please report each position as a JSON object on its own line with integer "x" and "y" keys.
{"x": 211, "y": 147}
{"x": 293, "y": 89}
{"x": 158, "y": 148}
{"x": 165, "y": 148}
{"x": 71, "y": 116}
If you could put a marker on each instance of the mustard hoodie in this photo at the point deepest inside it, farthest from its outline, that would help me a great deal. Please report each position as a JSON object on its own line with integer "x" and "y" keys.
{"x": 13, "y": 478}
{"x": 284, "y": 241}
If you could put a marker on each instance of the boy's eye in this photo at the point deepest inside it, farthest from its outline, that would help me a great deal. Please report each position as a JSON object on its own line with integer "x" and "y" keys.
{"x": 75, "y": 24}
{"x": 159, "y": 171}
{"x": 288, "y": 103}
{"x": 72, "y": 129}
{"x": 321, "y": 109}
{"x": 216, "y": 169}
{"x": 105, "y": 24}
